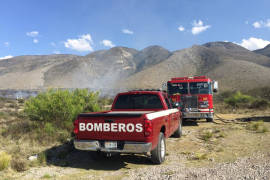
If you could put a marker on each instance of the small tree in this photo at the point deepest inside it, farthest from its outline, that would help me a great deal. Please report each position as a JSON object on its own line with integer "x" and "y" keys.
{"x": 238, "y": 99}
{"x": 59, "y": 108}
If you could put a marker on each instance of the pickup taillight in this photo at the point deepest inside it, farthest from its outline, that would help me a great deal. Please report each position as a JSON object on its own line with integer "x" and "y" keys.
{"x": 148, "y": 128}
{"x": 76, "y": 126}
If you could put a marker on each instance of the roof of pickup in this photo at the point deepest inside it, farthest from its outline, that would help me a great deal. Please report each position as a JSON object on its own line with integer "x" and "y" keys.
{"x": 144, "y": 91}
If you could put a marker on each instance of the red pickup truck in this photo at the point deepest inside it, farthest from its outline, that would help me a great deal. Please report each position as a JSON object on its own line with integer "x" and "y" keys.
{"x": 138, "y": 122}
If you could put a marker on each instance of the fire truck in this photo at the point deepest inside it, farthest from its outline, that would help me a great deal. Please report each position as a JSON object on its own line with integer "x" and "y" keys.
{"x": 193, "y": 96}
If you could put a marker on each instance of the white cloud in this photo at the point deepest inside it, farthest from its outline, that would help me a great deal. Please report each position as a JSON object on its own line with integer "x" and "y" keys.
{"x": 127, "y": 31}
{"x": 261, "y": 24}
{"x": 198, "y": 27}
{"x": 83, "y": 43}
{"x": 6, "y": 44}
{"x": 6, "y": 57}
{"x": 257, "y": 24}
{"x": 254, "y": 43}
{"x": 35, "y": 41}
{"x": 32, "y": 34}
{"x": 181, "y": 28}
{"x": 107, "y": 43}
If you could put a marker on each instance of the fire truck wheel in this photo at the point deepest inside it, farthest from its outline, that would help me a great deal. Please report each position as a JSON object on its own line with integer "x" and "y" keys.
{"x": 209, "y": 119}
{"x": 178, "y": 132}
{"x": 158, "y": 154}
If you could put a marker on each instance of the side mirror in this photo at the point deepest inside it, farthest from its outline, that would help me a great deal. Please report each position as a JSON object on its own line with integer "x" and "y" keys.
{"x": 176, "y": 105}
{"x": 215, "y": 86}
{"x": 164, "y": 87}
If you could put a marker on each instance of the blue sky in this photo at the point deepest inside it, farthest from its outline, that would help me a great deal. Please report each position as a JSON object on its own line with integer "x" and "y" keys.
{"x": 29, "y": 27}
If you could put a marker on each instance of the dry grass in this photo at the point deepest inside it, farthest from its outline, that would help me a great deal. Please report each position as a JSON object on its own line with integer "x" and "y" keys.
{"x": 4, "y": 160}
{"x": 258, "y": 127}
{"x": 19, "y": 164}
{"x": 206, "y": 135}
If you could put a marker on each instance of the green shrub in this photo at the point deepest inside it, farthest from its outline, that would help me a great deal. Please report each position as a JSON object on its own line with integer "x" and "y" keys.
{"x": 199, "y": 156}
{"x": 207, "y": 135}
{"x": 42, "y": 158}
{"x": 261, "y": 93}
{"x": 4, "y": 160}
{"x": 49, "y": 128}
{"x": 258, "y": 127}
{"x": 260, "y": 104}
{"x": 238, "y": 99}
{"x": 20, "y": 100}
{"x": 46, "y": 176}
{"x": 59, "y": 108}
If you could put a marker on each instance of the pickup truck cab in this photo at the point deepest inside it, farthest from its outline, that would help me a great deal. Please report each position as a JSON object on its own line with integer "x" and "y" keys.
{"x": 138, "y": 122}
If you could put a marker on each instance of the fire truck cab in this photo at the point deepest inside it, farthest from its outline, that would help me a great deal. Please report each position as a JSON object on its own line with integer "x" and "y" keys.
{"x": 193, "y": 96}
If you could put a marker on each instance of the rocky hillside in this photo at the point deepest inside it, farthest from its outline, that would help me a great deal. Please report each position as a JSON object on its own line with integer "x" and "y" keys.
{"x": 264, "y": 51}
{"x": 124, "y": 68}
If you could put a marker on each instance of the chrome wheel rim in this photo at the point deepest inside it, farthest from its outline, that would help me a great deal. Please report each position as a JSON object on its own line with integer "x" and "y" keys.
{"x": 162, "y": 148}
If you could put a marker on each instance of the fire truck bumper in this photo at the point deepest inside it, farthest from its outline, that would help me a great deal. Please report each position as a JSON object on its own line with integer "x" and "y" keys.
{"x": 128, "y": 147}
{"x": 198, "y": 115}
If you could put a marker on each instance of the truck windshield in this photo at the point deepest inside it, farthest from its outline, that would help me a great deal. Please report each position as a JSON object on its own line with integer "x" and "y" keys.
{"x": 175, "y": 88}
{"x": 138, "y": 101}
{"x": 200, "y": 88}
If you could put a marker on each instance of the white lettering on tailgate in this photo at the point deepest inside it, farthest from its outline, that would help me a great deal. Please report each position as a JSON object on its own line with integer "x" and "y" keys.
{"x": 82, "y": 127}
{"x": 139, "y": 128}
{"x": 98, "y": 126}
{"x": 111, "y": 127}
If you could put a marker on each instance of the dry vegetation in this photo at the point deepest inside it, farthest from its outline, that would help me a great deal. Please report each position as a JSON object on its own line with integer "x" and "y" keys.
{"x": 232, "y": 137}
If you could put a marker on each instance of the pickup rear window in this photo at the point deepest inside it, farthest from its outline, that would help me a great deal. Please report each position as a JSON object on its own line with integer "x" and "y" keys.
{"x": 138, "y": 101}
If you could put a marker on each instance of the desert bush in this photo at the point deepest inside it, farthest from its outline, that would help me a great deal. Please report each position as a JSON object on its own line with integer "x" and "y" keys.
{"x": 199, "y": 156}
{"x": 206, "y": 135}
{"x": 49, "y": 128}
{"x": 258, "y": 127}
{"x": 46, "y": 176}
{"x": 259, "y": 104}
{"x": 4, "y": 160}
{"x": 42, "y": 158}
{"x": 18, "y": 129}
{"x": 223, "y": 95}
{"x": 261, "y": 93}
{"x": 60, "y": 107}
{"x": 20, "y": 100}
{"x": 19, "y": 164}
{"x": 238, "y": 99}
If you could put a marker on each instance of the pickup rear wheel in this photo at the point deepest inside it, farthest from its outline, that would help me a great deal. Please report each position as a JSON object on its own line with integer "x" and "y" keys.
{"x": 178, "y": 132}
{"x": 209, "y": 119}
{"x": 158, "y": 154}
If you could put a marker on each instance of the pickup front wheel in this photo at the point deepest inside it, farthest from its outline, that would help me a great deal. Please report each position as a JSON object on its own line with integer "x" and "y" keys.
{"x": 158, "y": 154}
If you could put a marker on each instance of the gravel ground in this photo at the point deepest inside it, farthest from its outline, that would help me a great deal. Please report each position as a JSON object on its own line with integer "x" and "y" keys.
{"x": 255, "y": 167}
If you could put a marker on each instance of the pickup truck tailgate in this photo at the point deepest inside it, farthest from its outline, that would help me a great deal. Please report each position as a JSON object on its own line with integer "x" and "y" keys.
{"x": 114, "y": 125}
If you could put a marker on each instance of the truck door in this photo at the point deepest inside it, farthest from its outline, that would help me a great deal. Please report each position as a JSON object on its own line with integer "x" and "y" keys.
{"x": 171, "y": 120}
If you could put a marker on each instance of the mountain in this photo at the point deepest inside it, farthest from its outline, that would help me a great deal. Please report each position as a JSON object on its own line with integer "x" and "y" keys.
{"x": 150, "y": 56}
{"x": 125, "y": 68}
{"x": 264, "y": 51}
{"x": 95, "y": 70}
{"x": 233, "y": 66}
